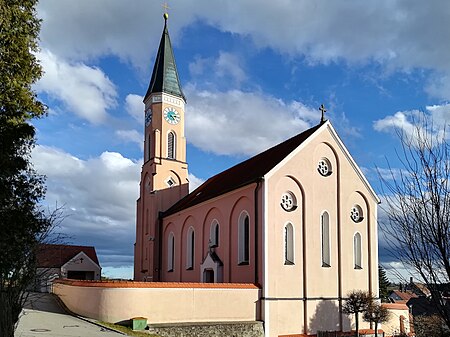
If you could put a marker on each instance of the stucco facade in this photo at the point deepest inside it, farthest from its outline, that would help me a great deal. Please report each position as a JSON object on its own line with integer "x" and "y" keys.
{"x": 299, "y": 220}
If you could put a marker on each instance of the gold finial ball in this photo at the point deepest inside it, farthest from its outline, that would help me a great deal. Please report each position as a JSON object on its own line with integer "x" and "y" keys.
{"x": 166, "y": 16}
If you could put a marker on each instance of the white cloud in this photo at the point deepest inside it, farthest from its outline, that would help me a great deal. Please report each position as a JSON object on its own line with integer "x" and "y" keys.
{"x": 237, "y": 122}
{"x": 411, "y": 122}
{"x": 397, "y": 34}
{"x": 397, "y": 121}
{"x": 407, "y": 34}
{"x": 225, "y": 67}
{"x": 135, "y": 107}
{"x": 131, "y": 136}
{"x": 194, "y": 182}
{"x": 99, "y": 197}
{"x": 84, "y": 90}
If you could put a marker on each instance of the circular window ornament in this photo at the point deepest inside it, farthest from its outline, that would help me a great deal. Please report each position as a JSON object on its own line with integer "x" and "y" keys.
{"x": 288, "y": 201}
{"x": 324, "y": 167}
{"x": 356, "y": 214}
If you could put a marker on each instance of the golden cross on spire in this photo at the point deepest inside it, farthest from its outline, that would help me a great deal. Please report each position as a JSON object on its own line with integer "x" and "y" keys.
{"x": 165, "y": 6}
{"x": 323, "y": 110}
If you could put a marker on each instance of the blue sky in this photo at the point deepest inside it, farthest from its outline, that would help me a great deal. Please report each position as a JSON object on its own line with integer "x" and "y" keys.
{"x": 254, "y": 73}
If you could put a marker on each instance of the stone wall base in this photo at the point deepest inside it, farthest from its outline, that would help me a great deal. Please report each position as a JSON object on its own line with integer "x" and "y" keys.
{"x": 208, "y": 329}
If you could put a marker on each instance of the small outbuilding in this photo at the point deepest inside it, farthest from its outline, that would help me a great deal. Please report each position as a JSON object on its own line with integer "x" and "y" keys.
{"x": 65, "y": 261}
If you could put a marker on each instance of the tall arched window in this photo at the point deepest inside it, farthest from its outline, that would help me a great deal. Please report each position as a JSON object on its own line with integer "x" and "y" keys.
{"x": 171, "y": 145}
{"x": 190, "y": 249}
{"x": 325, "y": 232}
{"x": 170, "y": 251}
{"x": 214, "y": 234}
{"x": 357, "y": 251}
{"x": 288, "y": 244}
{"x": 244, "y": 238}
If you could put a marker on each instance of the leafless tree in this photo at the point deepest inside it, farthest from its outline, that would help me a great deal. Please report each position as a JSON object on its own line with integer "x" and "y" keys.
{"x": 417, "y": 207}
{"x": 376, "y": 314}
{"x": 357, "y": 302}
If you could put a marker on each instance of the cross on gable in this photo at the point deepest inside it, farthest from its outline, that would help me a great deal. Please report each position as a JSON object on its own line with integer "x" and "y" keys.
{"x": 323, "y": 110}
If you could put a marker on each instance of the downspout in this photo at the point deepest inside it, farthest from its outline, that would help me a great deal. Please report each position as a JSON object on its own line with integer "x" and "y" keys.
{"x": 258, "y": 184}
{"x": 159, "y": 245}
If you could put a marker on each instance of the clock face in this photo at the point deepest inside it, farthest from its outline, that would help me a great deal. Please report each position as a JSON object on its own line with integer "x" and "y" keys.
{"x": 171, "y": 115}
{"x": 148, "y": 116}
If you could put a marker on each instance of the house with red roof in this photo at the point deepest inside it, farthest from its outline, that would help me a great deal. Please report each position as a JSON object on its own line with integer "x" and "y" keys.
{"x": 66, "y": 261}
{"x": 401, "y": 296}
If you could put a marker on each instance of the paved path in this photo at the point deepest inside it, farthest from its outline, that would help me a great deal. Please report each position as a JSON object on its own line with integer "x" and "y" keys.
{"x": 44, "y": 316}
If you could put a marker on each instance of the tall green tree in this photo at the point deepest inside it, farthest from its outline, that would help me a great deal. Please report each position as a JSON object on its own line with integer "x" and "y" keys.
{"x": 383, "y": 283}
{"x": 22, "y": 222}
{"x": 357, "y": 302}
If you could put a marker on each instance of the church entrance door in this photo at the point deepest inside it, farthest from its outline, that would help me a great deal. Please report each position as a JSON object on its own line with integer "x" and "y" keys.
{"x": 208, "y": 276}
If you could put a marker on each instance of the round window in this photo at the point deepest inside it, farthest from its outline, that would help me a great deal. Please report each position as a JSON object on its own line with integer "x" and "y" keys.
{"x": 324, "y": 167}
{"x": 288, "y": 201}
{"x": 356, "y": 214}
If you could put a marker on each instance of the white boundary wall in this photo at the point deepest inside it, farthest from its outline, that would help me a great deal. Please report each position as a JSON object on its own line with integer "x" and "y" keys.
{"x": 160, "y": 302}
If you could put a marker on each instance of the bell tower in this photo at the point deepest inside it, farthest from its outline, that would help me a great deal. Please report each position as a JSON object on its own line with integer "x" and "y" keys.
{"x": 165, "y": 143}
{"x": 164, "y": 176}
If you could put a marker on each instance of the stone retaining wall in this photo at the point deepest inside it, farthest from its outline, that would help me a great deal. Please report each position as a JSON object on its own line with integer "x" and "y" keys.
{"x": 232, "y": 329}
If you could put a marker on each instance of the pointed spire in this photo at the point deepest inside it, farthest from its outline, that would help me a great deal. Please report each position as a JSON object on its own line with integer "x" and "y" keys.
{"x": 165, "y": 74}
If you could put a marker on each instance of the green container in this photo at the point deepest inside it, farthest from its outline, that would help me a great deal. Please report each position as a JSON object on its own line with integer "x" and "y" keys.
{"x": 139, "y": 323}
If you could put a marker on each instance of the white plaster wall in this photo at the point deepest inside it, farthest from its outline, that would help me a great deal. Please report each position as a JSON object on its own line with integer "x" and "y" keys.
{"x": 184, "y": 303}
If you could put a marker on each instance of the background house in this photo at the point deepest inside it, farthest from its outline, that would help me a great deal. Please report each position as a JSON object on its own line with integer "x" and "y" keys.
{"x": 65, "y": 261}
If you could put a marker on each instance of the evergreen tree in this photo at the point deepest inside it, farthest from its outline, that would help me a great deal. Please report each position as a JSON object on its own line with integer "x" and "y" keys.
{"x": 383, "y": 283}
{"x": 22, "y": 222}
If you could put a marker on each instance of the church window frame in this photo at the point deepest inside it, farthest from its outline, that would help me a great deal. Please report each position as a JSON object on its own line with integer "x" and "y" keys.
{"x": 170, "y": 182}
{"x": 324, "y": 167}
{"x": 356, "y": 213}
{"x": 288, "y": 201}
{"x": 289, "y": 251}
{"x": 190, "y": 248}
{"x": 170, "y": 252}
{"x": 214, "y": 234}
{"x": 325, "y": 242}
{"x": 357, "y": 250}
{"x": 171, "y": 144}
{"x": 244, "y": 239}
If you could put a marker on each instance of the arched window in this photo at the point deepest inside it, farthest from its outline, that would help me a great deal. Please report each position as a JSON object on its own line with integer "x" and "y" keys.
{"x": 190, "y": 249}
{"x": 288, "y": 244}
{"x": 357, "y": 251}
{"x": 244, "y": 238}
{"x": 214, "y": 234}
{"x": 325, "y": 232}
{"x": 170, "y": 252}
{"x": 171, "y": 145}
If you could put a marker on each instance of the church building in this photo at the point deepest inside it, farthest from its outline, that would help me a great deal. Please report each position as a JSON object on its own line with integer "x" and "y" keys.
{"x": 299, "y": 219}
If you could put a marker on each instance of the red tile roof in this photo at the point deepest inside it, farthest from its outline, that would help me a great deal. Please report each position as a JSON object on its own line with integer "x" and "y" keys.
{"x": 404, "y": 295}
{"x": 242, "y": 174}
{"x": 395, "y": 306}
{"x": 55, "y": 256}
